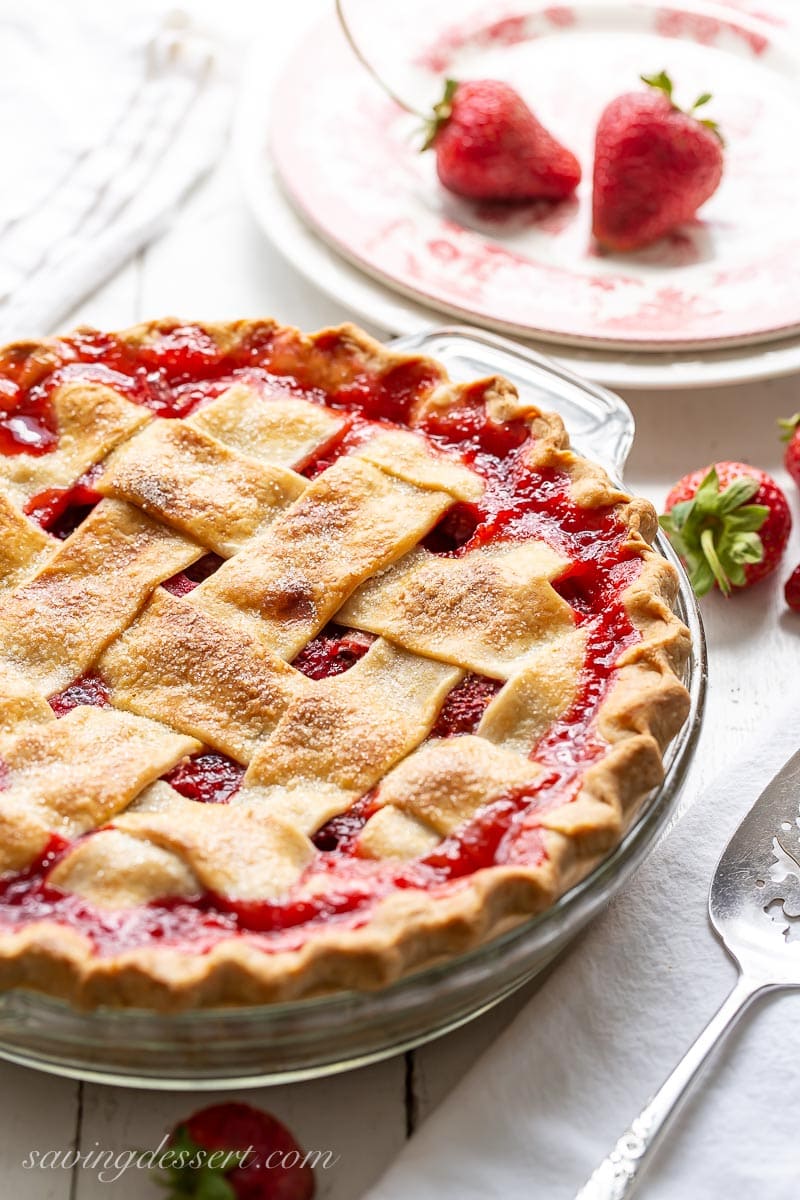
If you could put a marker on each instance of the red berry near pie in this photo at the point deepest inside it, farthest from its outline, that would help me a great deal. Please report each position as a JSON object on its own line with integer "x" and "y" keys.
{"x": 232, "y": 1151}
{"x": 730, "y": 524}
{"x": 791, "y": 456}
{"x": 654, "y": 165}
{"x": 791, "y": 590}
{"x": 315, "y": 665}
{"x": 490, "y": 146}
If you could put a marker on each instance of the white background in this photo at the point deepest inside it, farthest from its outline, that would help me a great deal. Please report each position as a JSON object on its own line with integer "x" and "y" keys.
{"x": 215, "y": 264}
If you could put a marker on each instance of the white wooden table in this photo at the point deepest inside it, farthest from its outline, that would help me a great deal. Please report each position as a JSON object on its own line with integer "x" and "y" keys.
{"x": 215, "y": 264}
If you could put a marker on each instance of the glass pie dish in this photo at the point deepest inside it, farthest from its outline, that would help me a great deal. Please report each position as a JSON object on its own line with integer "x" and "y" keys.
{"x": 283, "y": 1041}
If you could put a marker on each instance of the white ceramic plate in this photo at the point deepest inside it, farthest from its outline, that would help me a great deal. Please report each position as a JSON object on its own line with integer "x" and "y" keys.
{"x": 374, "y": 302}
{"x": 348, "y": 158}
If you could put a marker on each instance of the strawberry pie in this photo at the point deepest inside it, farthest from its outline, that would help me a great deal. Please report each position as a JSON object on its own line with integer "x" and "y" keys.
{"x": 315, "y": 666}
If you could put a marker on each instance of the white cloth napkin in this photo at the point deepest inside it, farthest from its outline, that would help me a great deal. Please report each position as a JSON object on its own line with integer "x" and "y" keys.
{"x": 548, "y": 1100}
{"x": 109, "y": 114}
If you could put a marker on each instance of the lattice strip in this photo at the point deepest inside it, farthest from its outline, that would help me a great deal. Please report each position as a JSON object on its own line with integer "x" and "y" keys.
{"x": 179, "y": 666}
{"x": 90, "y": 419}
{"x": 487, "y": 610}
{"x": 23, "y": 546}
{"x": 334, "y": 743}
{"x": 57, "y": 624}
{"x": 199, "y": 486}
{"x": 436, "y": 789}
{"x": 278, "y": 428}
{"x": 20, "y": 702}
{"x": 352, "y": 521}
{"x": 544, "y": 690}
{"x": 231, "y": 851}
{"x": 72, "y": 775}
{"x": 113, "y": 869}
{"x": 408, "y": 457}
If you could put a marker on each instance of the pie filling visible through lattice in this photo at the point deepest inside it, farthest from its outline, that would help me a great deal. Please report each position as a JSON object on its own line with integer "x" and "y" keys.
{"x": 314, "y": 665}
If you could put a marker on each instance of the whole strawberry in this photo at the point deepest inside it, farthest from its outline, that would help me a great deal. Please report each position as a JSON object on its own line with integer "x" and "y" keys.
{"x": 490, "y": 146}
{"x": 792, "y": 590}
{"x": 255, "y": 1157}
{"x": 654, "y": 165}
{"x": 791, "y": 456}
{"x": 729, "y": 523}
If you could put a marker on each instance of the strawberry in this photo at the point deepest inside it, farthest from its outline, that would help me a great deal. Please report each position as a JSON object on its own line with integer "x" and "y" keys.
{"x": 488, "y": 143}
{"x": 490, "y": 146}
{"x": 792, "y": 590}
{"x": 791, "y": 435}
{"x": 729, "y": 523}
{"x": 654, "y": 165}
{"x": 255, "y": 1157}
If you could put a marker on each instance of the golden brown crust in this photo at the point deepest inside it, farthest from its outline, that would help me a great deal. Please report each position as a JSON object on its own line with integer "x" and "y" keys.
{"x": 485, "y": 611}
{"x": 339, "y": 739}
{"x": 91, "y": 419}
{"x": 294, "y": 577}
{"x": 186, "y": 478}
{"x": 176, "y": 665}
{"x": 644, "y": 708}
{"x": 89, "y": 591}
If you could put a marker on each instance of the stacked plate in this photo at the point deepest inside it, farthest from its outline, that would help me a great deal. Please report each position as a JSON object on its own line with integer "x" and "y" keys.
{"x": 333, "y": 175}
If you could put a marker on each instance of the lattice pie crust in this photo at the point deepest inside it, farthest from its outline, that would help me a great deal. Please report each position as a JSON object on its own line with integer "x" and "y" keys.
{"x": 245, "y": 895}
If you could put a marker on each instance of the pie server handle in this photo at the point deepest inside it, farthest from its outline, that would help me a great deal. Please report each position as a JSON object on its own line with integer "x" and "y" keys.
{"x": 618, "y": 1175}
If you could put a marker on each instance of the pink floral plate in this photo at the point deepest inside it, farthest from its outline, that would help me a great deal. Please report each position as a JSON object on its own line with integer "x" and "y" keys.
{"x": 347, "y": 158}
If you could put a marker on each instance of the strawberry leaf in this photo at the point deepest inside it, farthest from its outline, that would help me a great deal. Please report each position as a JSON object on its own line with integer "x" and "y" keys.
{"x": 716, "y": 533}
{"x": 213, "y": 1186}
{"x": 442, "y": 112}
{"x": 189, "y": 1178}
{"x": 736, "y": 494}
{"x": 661, "y": 82}
{"x": 702, "y": 578}
{"x": 788, "y": 427}
{"x": 709, "y": 551}
{"x": 714, "y": 127}
{"x": 747, "y": 549}
{"x": 748, "y": 519}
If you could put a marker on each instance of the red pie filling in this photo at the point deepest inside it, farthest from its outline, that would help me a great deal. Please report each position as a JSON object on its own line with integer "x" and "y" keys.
{"x": 186, "y": 581}
{"x": 174, "y": 374}
{"x": 61, "y": 510}
{"x": 209, "y": 777}
{"x": 90, "y": 688}
{"x": 333, "y": 651}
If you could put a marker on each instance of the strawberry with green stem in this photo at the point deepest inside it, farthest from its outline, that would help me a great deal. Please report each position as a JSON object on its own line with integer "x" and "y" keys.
{"x": 232, "y": 1151}
{"x": 791, "y": 435}
{"x": 729, "y": 523}
{"x": 791, "y": 590}
{"x": 489, "y": 146}
{"x": 655, "y": 165}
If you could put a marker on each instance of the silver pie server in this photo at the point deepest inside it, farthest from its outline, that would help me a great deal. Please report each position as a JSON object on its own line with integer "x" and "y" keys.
{"x": 754, "y": 905}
